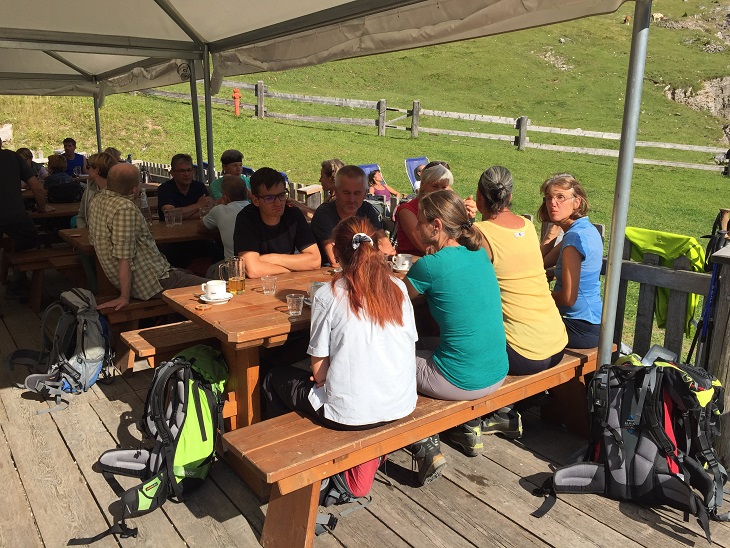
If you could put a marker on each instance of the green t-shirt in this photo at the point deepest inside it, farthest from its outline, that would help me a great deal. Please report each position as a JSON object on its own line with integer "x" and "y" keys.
{"x": 463, "y": 297}
{"x": 215, "y": 187}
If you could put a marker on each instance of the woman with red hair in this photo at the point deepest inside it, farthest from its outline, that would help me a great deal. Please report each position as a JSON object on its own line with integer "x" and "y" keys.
{"x": 362, "y": 343}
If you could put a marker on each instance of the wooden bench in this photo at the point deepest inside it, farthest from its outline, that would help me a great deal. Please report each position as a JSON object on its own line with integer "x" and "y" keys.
{"x": 159, "y": 343}
{"x": 293, "y": 453}
{"x": 37, "y": 261}
{"x": 127, "y": 318}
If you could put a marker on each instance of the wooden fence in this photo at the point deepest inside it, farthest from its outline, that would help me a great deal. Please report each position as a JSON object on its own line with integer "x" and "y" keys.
{"x": 522, "y": 123}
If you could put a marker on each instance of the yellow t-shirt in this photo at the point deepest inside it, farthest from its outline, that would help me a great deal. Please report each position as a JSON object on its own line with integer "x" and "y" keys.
{"x": 532, "y": 322}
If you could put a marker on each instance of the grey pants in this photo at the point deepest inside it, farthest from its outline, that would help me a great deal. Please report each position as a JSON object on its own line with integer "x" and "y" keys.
{"x": 430, "y": 382}
{"x": 180, "y": 278}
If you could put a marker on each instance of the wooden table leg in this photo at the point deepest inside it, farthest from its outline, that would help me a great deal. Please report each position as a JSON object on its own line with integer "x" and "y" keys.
{"x": 290, "y": 519}
{"x": 244, "y": 383}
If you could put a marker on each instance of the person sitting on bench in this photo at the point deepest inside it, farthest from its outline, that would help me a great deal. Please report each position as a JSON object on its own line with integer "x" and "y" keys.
{"x": 536, "y": 336}
{"x": 469, "y": 359}
{"x": 124, "y": 245}
{"x": 271, "y": 237}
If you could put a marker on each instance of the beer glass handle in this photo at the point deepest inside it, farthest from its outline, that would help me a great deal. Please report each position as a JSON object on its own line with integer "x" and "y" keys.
{"x": 220, "y": 270}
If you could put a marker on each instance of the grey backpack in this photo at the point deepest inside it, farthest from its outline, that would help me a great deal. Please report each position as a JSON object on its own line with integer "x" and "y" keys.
{"x": 76, "y": 350}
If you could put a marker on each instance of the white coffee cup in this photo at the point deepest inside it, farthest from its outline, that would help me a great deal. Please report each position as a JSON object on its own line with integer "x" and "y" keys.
{"x": 214, "y": 289}
{"x": 402, "y": 261}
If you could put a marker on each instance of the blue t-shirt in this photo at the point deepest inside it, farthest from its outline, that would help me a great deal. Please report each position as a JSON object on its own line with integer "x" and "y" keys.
{"x": 463, "y": 297}
{"x": 78, "y": 161}
{"x": 584, "y": 237}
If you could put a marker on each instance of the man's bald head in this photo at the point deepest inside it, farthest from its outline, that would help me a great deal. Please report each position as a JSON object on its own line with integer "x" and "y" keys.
{"x": 122, "y": 178}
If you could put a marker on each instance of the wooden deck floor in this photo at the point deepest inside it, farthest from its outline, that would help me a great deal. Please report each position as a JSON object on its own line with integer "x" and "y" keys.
{"x": 53, "y": 493}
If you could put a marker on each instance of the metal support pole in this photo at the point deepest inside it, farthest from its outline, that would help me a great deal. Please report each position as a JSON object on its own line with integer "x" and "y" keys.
{"x": 196, "y": 120}
{"x": 208, "y": 113}
{"x": 632, "y": 107}
{"x": 97, "y": 122}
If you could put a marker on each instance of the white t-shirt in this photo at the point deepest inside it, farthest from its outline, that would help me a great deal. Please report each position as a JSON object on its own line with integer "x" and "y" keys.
{"x": 223, "y": 217}
{"x": 372, "y": 373}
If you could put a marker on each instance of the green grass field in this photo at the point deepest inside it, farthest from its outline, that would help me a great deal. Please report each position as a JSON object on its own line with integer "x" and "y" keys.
{"x": 504, "y": 75}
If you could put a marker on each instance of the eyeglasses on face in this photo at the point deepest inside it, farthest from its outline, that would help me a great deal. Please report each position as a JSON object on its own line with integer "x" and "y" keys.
{"x": 559, "y": 198}
{"x": 272, "y": 197}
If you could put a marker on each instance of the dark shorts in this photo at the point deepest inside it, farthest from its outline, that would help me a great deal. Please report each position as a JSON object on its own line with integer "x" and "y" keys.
{"x": 582, "y": 334}
{"x": 23, "y": 234}
{"x": 519, "y": 365}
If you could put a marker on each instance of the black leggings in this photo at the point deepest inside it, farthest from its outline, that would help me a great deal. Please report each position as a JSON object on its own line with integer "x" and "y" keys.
{"x": 286, "y": 388}
{"x": 582, "y": 334}
{"x": 519, "y": 365}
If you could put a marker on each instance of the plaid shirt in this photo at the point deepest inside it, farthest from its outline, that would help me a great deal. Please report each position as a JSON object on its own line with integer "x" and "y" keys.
{"x": 117, "y": 230}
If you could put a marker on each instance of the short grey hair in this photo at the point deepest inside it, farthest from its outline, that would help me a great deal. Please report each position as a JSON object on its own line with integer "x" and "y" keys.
{"x": 436, "y": 173}
{"x": 351, "y": 172}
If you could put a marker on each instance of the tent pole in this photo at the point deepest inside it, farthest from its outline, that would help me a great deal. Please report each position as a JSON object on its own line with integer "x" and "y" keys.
{"x": 196, "y": 120}
{"x": 632, "y": 107}
{"x": 97, "y": 122}
{"x": 208, "y": 113}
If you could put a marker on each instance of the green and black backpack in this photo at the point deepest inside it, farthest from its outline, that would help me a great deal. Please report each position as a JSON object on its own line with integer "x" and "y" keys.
{"x": 183, "y": 416}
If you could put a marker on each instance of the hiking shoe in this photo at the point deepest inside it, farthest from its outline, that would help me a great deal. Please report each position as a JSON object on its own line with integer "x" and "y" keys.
{"x": 506, "y": 421}
{"x": 468, "y": 437}
{"x": 427, "y": 455}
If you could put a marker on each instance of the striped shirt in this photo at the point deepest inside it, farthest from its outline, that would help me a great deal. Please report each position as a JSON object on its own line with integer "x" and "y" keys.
{"x": 117, "y": 230}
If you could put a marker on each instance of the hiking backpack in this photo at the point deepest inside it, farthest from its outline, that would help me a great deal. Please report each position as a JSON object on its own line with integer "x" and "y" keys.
{"x": 183, "y": 416}
{"x": 76, "y": 350}
{"x": 652, "y": 430}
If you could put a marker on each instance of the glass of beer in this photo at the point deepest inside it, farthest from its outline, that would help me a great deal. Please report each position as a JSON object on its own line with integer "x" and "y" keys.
{"x": 235, "y": 268}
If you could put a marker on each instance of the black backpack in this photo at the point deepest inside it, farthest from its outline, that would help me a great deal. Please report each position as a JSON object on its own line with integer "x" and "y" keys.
{"x": 65, "y": 193}
{"x": 716, "y": 241}
{"x": 652, "y": 430}
{"x": 76, "y": 349}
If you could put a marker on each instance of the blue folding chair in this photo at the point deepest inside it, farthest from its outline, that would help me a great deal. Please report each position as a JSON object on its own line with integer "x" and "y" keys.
{"x": 411, "y": 164}
{"x": 367, "y": 168}
{"x": 247, "y": 171}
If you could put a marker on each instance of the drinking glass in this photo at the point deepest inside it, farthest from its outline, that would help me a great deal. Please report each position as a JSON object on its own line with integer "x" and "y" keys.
{"x": 269, "y": 285}
{"x": 169, "y": 218}
{"x": 236, "y": 271}
{"x": 295, "y": 303}
{"x": 77, "y": 171}
{"x": 177, "y": 216}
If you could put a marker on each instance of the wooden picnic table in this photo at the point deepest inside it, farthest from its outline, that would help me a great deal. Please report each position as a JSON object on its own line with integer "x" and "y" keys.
{"x": 244, "y": 324}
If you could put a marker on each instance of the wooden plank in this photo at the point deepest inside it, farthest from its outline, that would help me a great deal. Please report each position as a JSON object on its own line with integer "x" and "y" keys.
{"x": 645, "y": 312}
{"x": 676, "y": 312}
{"x": 493, "y": 136}
{"x": 16, "y": 518}
{"x": 465, "y": 513}
{"x": 470, "y": 117}
{"x": 325, "y": 119}
{"x": 661, "y": 276}
{"x": 315, "y": 99}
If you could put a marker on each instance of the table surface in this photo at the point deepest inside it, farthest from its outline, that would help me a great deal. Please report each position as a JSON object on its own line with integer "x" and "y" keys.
{"x": 71, "y": 209}
{"x": 188, "y": 231}
{"x": 250, "y": 317}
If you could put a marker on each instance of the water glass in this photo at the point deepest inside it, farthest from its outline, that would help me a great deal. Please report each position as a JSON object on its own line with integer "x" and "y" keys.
{"x": 177, "y": 215}
{"x": 269, "y": 285}
{"x": 169, "y": 218}
{"x": 77, "y": 171}
{"x": 295, "y": 303}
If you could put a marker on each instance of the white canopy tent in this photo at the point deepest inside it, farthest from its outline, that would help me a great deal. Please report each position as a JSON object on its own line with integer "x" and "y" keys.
{"x": 97, "y": 47}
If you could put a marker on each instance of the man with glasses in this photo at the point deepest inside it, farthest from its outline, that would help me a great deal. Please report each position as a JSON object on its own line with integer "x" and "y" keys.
{"x": 351, "y": 188}
{"x": 182, "y": 192}
{"x": 271, "y": 237}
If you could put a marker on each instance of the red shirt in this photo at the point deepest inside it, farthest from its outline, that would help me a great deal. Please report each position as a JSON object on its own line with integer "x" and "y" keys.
{"x": 404, "y": 242}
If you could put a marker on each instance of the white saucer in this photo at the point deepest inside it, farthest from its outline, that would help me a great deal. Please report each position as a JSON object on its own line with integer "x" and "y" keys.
{"x": 400, "y": 269}
{"x": 222, "y": 300}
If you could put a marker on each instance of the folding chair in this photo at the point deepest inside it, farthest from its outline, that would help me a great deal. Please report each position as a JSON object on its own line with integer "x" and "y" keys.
{"x": 411, "y": 164}
{"x": 367, "y": 168}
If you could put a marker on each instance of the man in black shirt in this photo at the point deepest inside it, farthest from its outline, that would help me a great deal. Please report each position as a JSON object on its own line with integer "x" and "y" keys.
{"x": 351, "y": 187}
{"x": 271, "y": 237}
{"x": 182, "y": 192}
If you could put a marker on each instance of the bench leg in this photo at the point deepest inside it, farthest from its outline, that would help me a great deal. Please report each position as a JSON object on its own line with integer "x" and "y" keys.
{"x": 36, "y": 290}
{"x": 290, "y": 519}
{"x": 568, "y": 406}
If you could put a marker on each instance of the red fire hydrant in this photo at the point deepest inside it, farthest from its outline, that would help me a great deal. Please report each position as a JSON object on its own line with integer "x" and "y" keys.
{"x": 236, "y": 101}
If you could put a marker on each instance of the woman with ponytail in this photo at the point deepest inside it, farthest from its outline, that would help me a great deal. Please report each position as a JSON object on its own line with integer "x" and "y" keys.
{"x": 535, "y": 332}
{"x": 468, "y": 361}
{"x": 362, "y": 343}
